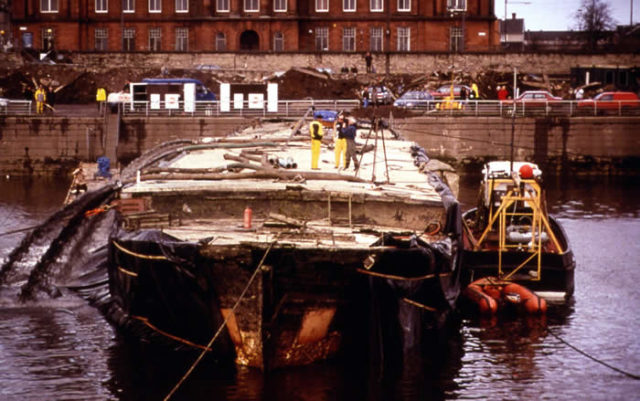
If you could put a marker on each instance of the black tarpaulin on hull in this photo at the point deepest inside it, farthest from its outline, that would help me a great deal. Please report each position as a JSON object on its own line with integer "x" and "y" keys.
{"x": 164, "y": 283}
{"x": 407, "y": 290}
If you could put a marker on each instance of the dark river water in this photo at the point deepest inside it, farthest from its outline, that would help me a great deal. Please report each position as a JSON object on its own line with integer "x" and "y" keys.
{"x": 63, "y": 349}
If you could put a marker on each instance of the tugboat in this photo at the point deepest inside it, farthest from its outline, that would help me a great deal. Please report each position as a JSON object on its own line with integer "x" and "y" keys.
{"x": 511, "y": 239}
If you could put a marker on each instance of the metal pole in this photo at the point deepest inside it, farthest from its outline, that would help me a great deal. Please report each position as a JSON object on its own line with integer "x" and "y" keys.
{"x": 513, "y": 118}
{"x": 515, "y": 89}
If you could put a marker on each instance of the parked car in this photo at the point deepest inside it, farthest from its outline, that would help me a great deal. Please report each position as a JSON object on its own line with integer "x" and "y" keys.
{"x": 415, "y": 100}
{"x": 537, "y": 98}
{"x": 611, "y": 101}
{"x": 445, "y": 91}
{"x": 379, "y": 94}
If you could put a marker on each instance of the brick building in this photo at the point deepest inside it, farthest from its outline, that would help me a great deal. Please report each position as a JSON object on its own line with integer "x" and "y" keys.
{"x": 256, "y": 25}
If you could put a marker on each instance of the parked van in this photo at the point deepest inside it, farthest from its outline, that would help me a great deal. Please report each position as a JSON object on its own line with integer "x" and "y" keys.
{"x": 611, "y": 101}
{"x": 142, "y": 91}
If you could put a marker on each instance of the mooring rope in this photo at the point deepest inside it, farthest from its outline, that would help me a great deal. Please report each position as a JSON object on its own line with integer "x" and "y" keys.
{"x": 603, "y": 363}
{"x": 224, "y": 323}
{"x": 20, "y": 230}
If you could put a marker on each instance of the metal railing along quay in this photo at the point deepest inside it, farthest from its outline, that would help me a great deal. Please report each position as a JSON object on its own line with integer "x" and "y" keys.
{"x": 297, "y": 108}
{"x": 487, "y": 108}
{"x": 15, "y": 107}
{"x": 286, "y": 108}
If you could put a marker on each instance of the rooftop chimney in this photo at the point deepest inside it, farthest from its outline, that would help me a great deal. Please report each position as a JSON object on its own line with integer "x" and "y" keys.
{"x": 513, "y": 15}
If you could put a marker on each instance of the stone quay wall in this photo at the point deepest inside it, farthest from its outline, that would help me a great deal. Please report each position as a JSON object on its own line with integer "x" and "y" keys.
{"x": 51, "y": 145}
{"x": 410, "y": 63}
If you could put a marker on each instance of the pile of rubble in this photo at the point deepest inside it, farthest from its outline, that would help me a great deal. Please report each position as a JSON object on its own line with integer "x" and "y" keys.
{"x": 78, "y": 85}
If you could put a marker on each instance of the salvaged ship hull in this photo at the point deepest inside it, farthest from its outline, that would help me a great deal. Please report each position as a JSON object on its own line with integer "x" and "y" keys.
{"x": 275, "y": 267}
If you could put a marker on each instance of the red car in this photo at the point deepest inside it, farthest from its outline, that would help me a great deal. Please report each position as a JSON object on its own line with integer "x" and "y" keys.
{"x": 611, "y": 101}
{"x": 534, "y": 99}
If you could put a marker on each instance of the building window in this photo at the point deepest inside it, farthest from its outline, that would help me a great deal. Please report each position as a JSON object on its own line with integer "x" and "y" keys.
{"x": 280, "y": 5}
{"x": 349, "y": 39}
{"x": 455, "y": 40}
{"x": 155, "y": 39}
{"x": 457, "y": 5}
{"x": 182, "y": 39}
{"x": 322, "y": 39}
{"x": 404, "y": 39}
{"x": 278, "y": 42}
{"x": 404, "y": 5}
{"x": 376, "y": 39}
{"x": 102, "y": 6}
{"x": 251, "y": 5}
{"x": 221, "y": 42}
{"x": 48, "y": 6}
{"x": 222, "y": 5}
{"x": 348, "y": 5}
{"x": 129, "y": 6}
{"x": 322, "y": 5}
{"x": 376, "y": 5}
{"x": 155, "y": 6}
{"x": 129, "y": 39}
{"x": 100, "y": 37}
{"x": 47, "y": 38}
{"x": 182, "y": 6}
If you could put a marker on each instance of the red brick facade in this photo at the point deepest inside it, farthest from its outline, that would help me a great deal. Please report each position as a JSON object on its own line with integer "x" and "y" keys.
{"x": 256, "y": 25}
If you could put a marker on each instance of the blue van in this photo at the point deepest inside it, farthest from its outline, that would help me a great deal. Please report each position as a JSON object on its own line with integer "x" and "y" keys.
{"x": 202, "y": 92}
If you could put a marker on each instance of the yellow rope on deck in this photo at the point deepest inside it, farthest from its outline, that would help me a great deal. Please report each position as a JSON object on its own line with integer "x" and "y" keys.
{"x": 127, "y": 272}
{"x": 171, "y": 336}
{"x": 419, "y": 305}
{"x": 394, "y": 277}
{"x": 139, "y": 255}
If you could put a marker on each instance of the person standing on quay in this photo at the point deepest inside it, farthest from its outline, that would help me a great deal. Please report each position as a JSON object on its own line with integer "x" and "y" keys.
{"x": 349, "y": 133}
{"x": 40, "y": 97}
{"x": 101, "y": 98}
{"x": 367, "y": 61}
{"x": 340, "y": 146}
{"x": 316, "y": 132}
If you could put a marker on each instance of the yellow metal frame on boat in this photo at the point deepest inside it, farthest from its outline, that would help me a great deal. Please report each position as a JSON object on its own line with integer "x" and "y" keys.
{"x": 528, "y": 191}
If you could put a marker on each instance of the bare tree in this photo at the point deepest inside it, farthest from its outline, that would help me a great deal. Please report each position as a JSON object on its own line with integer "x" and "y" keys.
{"x": 595, "y": 20}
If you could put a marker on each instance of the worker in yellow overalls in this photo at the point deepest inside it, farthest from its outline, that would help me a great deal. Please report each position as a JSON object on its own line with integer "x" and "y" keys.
{"x": 316, "y": 132}
{"x": 340, "y": 146}
{"x": 41, "y": 97}
{"x": 101, "y": 98}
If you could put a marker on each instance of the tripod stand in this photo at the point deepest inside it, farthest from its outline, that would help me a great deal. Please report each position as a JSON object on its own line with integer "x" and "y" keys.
{"x": 377, "y": 131}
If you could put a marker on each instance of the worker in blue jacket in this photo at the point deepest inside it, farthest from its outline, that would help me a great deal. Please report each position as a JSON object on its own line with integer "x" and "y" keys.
{"x": 349, "y": 134}
{"x": 316, "y": 132}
